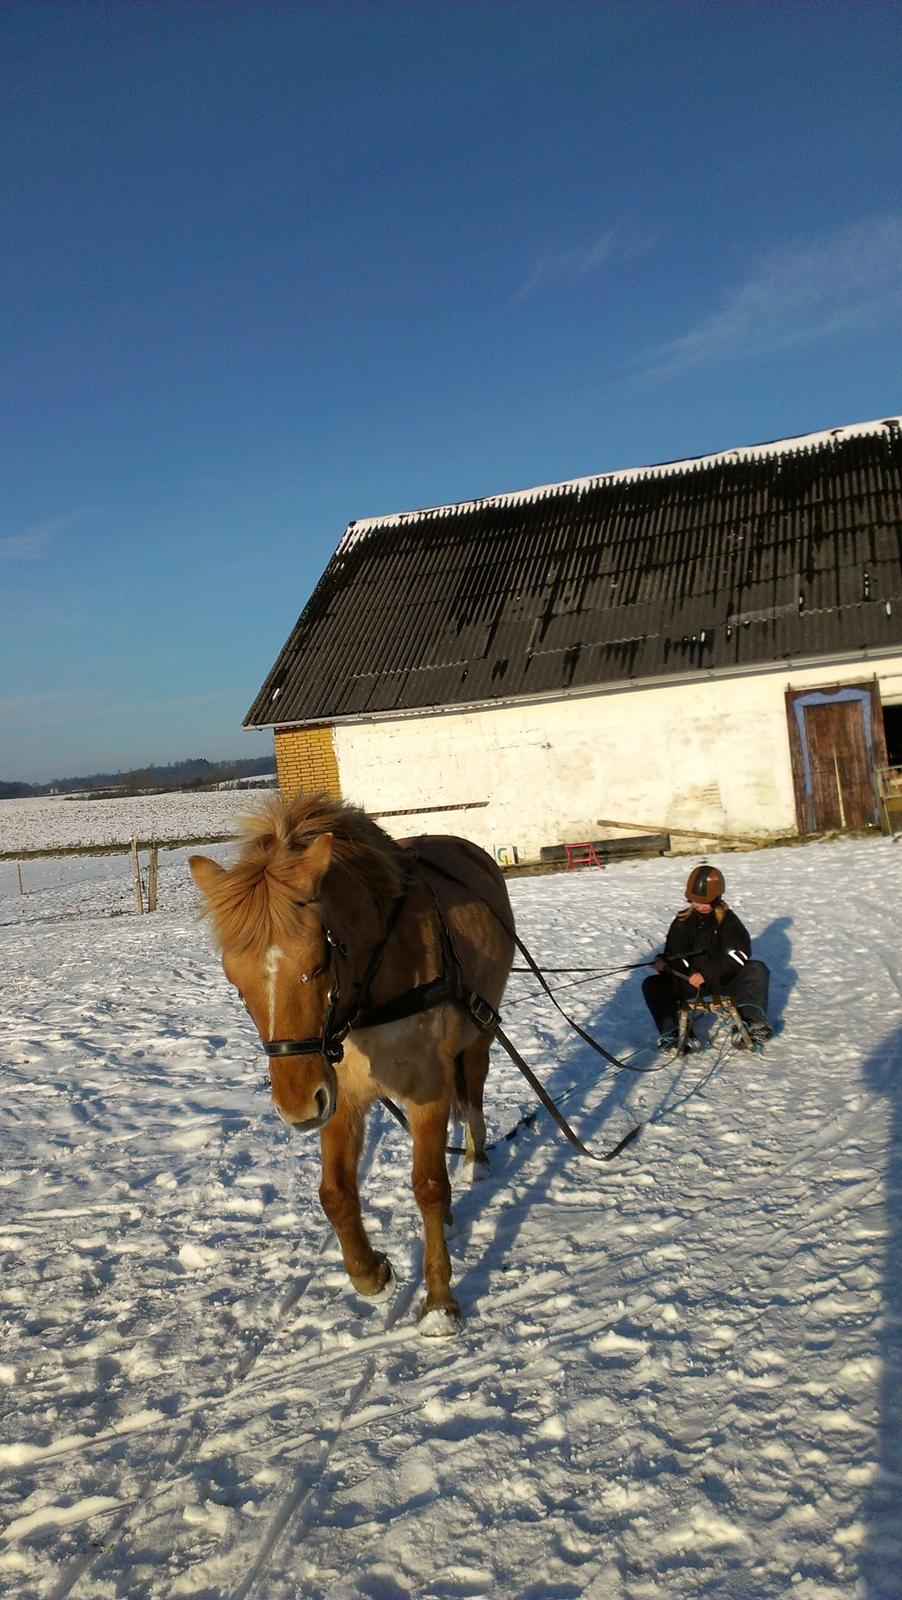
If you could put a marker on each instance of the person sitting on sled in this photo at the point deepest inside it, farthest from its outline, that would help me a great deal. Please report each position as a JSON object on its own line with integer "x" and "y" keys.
{"x": 707, "y": 951}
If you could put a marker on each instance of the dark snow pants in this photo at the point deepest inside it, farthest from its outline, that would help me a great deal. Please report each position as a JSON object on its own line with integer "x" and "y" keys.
{"x": 748, "y": 991}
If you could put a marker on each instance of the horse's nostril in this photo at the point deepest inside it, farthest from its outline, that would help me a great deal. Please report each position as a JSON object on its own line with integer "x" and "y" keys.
{"x": 322, "y": 1102}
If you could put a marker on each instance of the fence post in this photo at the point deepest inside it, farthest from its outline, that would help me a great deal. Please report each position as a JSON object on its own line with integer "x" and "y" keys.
{"x": 152, "y": 877}
{"x": 19, "y": 870}
{"x": 136, "y": 873}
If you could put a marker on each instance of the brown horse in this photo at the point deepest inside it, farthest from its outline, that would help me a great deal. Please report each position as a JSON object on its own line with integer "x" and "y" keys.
{"x": 371, "y": 968}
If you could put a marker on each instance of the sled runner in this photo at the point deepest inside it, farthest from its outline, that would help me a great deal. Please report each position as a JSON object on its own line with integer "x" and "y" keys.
{"x": 743, "y": 1038}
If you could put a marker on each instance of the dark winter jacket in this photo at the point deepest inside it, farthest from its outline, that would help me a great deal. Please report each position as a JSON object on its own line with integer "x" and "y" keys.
{"x": 716, "y": 945}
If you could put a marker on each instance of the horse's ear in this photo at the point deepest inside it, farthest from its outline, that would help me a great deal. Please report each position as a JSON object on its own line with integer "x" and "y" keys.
{"x": 206, "y": 873}
{"x": 315, "y": 862}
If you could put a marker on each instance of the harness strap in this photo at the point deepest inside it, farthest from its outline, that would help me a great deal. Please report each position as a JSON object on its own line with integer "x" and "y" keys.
{"x": 426, "y": 996}
{"x": 448, "y": 986}
{"x": 593, "y": 1043}
{"x": 376, "y": 954}
{"x": 539, "y": 1089}
{"x": 440, "y": 990}
{"x": 534, "y": 968}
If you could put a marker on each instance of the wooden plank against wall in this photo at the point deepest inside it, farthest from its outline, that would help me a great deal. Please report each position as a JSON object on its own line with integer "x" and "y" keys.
{"x": 880, "y": 757}
{"x": 797, "y": 763}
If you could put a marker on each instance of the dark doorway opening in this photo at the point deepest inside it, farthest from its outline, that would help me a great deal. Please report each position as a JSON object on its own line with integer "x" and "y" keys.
{"x": 892, "y": 728}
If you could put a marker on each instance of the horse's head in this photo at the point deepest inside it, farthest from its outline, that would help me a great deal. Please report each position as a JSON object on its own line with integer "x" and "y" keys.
{"x": 269, "y": 923}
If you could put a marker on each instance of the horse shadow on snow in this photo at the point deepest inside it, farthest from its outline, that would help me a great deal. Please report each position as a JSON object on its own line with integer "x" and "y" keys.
{"x": 594, "y": 1096}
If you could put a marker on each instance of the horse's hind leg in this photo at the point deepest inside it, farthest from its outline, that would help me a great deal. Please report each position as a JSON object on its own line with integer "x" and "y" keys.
{"x": 440, "y": 1313}
{"x": 474, "y": 1061}
{"x": 341, "y": 1142}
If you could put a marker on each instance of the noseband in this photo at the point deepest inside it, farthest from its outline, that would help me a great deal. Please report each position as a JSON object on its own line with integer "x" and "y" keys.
{"x": 329, "y": 1043}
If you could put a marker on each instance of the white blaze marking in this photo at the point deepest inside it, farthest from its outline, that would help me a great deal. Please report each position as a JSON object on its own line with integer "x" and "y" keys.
{"x": 271, "y": 968}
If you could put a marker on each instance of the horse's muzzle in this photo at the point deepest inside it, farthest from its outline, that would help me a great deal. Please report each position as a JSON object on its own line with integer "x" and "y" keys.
{"x": 303, "y": 1110}
{"x": 327, "y": 1105}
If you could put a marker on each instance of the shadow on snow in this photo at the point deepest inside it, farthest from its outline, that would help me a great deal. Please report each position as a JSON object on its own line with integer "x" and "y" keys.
{"x": 882, "y": 1549}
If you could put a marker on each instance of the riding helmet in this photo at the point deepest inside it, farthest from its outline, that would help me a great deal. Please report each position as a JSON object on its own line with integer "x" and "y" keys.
{"x": 705, "y": 883}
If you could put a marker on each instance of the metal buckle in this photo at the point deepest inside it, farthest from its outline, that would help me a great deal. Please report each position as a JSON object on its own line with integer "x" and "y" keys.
{"x": 484, "y": 1015}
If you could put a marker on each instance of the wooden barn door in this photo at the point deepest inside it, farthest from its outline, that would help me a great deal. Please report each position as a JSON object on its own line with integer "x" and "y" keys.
{"x": 836, "y": 741}
{"x": 840, "y": 769}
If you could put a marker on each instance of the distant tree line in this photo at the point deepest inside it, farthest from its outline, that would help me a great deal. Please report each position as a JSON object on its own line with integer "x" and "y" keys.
{"x": 196, "y": 773}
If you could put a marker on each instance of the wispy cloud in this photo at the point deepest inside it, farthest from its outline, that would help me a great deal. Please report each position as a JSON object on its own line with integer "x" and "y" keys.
{"x": 565, "y": 266}
{"x": 67, "y": 708}
{"x": 34, "y": 542}
{"x": 797, "y": 294}
{"x": 132, "y": 708}
{"x": 33, "y": 705}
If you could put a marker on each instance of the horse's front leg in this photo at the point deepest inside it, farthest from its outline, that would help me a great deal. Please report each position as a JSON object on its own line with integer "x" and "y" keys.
{"x": 440, "y": 1313}
{"x": 341, "y": 1141}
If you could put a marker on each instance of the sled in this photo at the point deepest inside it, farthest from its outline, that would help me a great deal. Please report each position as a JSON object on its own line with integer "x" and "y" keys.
{"x": 716, "y": 1003}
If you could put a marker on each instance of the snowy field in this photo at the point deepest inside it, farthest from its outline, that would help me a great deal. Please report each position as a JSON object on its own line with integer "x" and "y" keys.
{"x": 101, "y": 883}
{"x": 679, "y": 1374}
{"x": 55, "y": 821}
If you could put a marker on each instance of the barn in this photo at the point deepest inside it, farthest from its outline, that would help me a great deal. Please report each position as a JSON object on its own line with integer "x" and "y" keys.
{"x": 709, "y": 647}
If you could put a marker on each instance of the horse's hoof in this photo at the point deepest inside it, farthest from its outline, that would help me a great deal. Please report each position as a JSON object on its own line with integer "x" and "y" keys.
{"x": 440, "y": 1322}
{"x": 450, "y": 1225}
{"x": 381, "y": 1282}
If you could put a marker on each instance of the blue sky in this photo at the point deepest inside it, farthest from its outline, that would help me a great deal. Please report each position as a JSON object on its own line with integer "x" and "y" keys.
{"x": 270, "y": 267}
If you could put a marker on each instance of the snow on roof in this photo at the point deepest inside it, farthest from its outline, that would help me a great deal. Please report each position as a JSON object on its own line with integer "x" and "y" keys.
{"x": 804, "y": 441}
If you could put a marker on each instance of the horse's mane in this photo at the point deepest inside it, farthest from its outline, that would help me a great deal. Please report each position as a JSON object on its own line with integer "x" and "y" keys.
{"x": 255, "y": 902}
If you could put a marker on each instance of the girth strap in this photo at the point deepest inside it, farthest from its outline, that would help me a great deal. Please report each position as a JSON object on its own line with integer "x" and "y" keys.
{"x": 424, "y": 997}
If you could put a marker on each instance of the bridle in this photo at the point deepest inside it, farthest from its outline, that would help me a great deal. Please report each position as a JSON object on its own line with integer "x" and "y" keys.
{"x": 330, "y": 1041}
{"x": 335, "y": 1029}
{"x": 448, "y": 986}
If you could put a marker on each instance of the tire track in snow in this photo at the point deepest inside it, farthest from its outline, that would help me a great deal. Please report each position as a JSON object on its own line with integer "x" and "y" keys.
{"x": 302, "y": 1496}
{"x": 177, "y": 1465}
{"x": 305, "y": 1492}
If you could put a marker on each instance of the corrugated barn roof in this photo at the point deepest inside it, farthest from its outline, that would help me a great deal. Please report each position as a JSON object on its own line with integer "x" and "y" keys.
{"x": 779, "y": 552}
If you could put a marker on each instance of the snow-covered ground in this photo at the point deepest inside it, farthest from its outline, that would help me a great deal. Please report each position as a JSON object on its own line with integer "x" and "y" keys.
{"x": 101, "y": 883}
{"x": 679, "y": 1373}
{"x": 55, "y": 821}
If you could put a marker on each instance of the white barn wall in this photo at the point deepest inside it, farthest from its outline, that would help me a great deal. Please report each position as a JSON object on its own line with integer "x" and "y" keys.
{"x": 710, "y": 754}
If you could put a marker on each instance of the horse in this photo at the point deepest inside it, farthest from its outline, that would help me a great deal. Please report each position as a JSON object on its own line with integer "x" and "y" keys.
{"x": 372, "y": 969}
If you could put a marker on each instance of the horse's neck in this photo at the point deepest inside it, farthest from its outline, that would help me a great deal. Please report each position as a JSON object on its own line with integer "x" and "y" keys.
{"x": 353, "y": 916}
{"x": 360, "y": 923}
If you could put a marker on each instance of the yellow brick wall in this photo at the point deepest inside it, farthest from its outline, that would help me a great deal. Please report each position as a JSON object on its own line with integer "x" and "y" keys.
{"x": 305, "y": 762}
